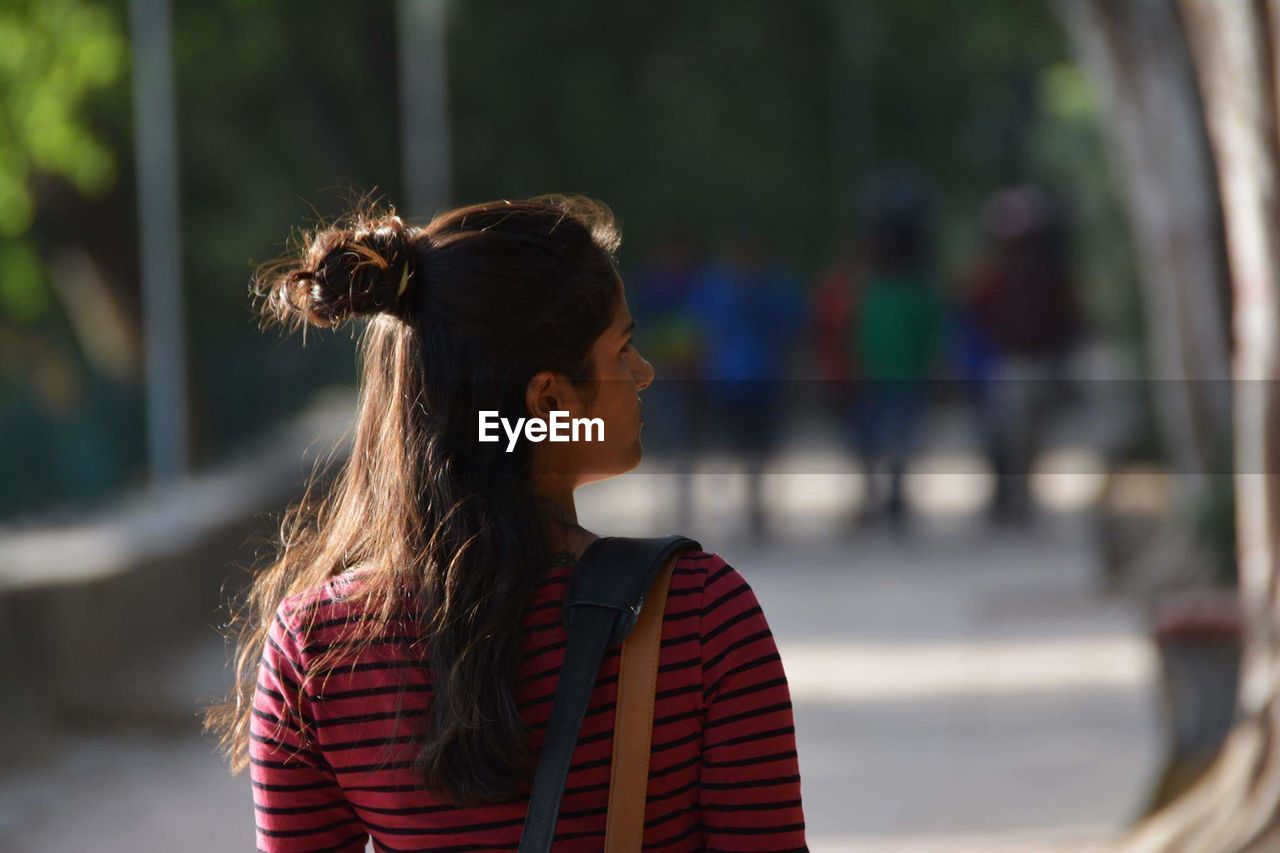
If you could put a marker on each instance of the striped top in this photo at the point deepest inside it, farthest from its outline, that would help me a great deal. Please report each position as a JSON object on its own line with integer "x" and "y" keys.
{"x": 723, "y": 771}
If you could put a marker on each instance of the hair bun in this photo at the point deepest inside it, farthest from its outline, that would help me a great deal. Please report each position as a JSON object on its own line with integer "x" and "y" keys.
{"x": 349, "y": 269}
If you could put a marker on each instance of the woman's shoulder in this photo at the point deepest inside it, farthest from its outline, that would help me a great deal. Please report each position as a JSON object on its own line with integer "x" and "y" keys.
{"x": 705, "y": 573}
{"x": 698, "y": 562}
{"x": 336, "y": 601}
{"x": 727, "y": 607}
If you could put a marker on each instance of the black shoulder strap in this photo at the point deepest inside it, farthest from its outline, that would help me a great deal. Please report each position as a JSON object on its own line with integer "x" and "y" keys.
{"x": 603, "y": 601}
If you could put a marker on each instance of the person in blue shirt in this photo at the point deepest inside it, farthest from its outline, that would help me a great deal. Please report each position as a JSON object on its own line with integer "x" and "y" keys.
{"x": 751, "y": 310}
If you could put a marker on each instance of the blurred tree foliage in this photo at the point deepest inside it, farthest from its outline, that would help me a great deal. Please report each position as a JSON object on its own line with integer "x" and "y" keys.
{"x": 285, "y": 110}
{"x": 56, "y": 54}
{"x": 715, "y": 116}
{"x": 733, "y": 115}
{"x": 276, "y": 105}
{"x": 719, "y": 115}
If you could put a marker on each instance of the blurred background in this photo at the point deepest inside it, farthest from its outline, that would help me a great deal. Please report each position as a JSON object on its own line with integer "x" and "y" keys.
{"x": 938, "y": 299}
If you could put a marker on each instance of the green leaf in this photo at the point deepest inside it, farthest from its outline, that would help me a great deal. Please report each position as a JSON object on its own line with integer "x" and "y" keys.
{"x": 24, "y": 294}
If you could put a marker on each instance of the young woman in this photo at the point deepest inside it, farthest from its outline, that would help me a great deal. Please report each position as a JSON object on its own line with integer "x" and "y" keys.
{"x": 399, "y": 657}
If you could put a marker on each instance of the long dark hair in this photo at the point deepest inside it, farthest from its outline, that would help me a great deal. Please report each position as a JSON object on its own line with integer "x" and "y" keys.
{"x": 461, "y": 314}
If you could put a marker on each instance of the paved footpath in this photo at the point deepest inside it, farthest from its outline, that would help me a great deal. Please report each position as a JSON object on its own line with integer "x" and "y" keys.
{"x": 957, "y": 694}
{"x": 953, "y": 692}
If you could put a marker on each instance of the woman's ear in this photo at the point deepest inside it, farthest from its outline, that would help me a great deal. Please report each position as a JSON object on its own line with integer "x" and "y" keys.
{"x": 548, "y": 392}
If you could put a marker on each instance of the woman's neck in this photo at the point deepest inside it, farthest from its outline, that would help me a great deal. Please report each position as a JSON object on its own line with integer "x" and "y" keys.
{"x": 560, "y": 520}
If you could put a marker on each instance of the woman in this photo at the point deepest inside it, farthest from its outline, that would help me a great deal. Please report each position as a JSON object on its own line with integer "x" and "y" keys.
{"x": 400, "y": 655}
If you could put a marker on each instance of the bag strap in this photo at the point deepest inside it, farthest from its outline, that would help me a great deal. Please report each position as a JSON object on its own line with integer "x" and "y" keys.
{"x": 605, "y": 597}
{"x": 633, "y": 726}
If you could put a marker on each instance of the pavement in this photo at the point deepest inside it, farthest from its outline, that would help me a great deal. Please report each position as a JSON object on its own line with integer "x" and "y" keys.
{"x": 954, "y": 690}
{"x": 962, "y": 694}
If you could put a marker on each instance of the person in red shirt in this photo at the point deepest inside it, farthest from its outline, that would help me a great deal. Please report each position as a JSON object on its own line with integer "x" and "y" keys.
{"x": 399, "y": 657}
{"x": 1022, "y": 309}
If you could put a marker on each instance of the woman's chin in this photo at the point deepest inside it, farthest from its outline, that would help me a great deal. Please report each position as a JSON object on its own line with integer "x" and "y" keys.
{"x": 615, "y": 468}
{"x": 638, "y": 456}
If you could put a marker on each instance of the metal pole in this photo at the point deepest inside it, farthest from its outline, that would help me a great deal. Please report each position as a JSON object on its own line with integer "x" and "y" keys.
{"x": 424, "y": 105}
{"x": 155, "y": 152}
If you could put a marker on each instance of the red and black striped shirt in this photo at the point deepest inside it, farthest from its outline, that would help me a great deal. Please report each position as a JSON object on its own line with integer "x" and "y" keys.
{"x": 723, "y": 771}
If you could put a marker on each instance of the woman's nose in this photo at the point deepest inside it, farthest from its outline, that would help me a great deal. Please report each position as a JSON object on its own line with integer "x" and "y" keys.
{"x": 645, "y": 376}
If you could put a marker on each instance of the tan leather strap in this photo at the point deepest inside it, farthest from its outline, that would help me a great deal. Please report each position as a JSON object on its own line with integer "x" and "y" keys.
{"x": 633, "y": 725}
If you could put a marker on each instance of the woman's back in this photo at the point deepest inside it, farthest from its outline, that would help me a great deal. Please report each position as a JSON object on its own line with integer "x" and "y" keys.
{"x": 399, "y": 655}
{"x": 723, "y": 770}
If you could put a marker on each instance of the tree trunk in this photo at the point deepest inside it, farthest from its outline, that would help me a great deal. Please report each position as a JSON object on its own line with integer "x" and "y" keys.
{"x": 1233, "y": 45}
{"x": 1135, "y": 52}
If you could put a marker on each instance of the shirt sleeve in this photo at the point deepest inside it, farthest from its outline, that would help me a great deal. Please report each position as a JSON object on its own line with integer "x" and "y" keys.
{"x": 749, "y": 793}
{"x": 297, "y": 802}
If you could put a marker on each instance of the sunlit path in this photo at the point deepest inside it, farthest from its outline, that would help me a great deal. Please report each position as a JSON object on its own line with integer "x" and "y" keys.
{"x": 954, "y": 690}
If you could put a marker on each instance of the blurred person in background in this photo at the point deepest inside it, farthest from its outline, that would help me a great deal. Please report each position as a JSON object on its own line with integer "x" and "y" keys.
{"x": 667, "y": 331}
{"x": 750, "y": 310}
{"x": 897, "y": 336}
{"x": 1022, "y": 311}
{"x": 399, "y": 657}
{"x": 832, "y": 314}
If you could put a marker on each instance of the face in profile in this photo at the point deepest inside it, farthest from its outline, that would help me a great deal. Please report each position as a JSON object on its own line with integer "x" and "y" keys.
{"x": 620, "y": 373}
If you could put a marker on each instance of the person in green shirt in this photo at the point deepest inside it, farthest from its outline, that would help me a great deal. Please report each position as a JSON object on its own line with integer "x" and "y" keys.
{"x": 897, "y": 341}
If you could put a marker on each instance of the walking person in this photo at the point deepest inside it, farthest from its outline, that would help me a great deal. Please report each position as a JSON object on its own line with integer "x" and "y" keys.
{"x": 750, "y": 306}
{"x": 400, "y": 655}
{"x": 897, "y": 337}
{"x": 1022, "y": 303}
{"x": 833, "y": 307}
